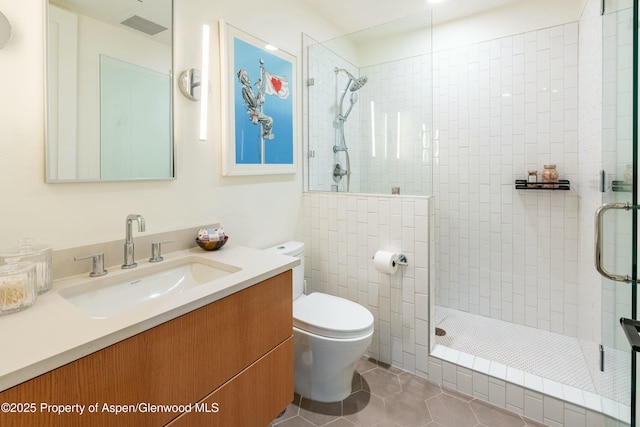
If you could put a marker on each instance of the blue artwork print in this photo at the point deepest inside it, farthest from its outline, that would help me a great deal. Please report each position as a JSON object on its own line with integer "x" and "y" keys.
{"x": 263, "y": 102}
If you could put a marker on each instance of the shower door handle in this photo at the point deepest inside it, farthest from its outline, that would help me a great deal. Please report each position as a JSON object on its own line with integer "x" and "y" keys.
{"x": 599, "y": 242}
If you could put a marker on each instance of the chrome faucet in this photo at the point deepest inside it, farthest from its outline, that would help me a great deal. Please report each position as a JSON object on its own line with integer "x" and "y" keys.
{"x": 129, "y": 261}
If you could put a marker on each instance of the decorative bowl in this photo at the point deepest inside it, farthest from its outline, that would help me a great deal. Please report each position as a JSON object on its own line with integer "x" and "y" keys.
{"x": 212, "y": 246}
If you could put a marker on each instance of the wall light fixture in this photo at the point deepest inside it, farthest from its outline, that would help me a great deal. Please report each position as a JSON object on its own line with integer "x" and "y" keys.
{"x": 5, "y": 31}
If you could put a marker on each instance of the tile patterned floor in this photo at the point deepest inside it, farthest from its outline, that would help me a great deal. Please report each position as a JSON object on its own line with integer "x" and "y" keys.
{"x": 384, "y": 396}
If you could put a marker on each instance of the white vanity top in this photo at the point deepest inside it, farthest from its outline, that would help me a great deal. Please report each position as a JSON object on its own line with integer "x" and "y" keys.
{"x": 54, "y": 332}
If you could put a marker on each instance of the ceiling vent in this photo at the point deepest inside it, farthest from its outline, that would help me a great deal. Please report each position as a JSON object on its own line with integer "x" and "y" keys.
{"x": 139, "y": 23}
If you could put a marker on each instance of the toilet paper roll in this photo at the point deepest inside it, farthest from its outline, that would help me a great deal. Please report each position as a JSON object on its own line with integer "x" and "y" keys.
{"x": 385, "y": 262}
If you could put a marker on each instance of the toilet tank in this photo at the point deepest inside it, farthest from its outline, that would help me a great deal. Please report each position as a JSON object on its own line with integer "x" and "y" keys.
{"x": 294, "y": 249}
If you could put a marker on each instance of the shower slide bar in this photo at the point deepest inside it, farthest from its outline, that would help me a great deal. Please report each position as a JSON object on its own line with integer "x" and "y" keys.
{"x": 599, "y": 241}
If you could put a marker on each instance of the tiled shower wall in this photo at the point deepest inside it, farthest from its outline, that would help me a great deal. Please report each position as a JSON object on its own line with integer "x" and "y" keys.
{"x": 388, "y": 132}
{"x": 398, "y": 100}
{"x": 324, "y": 89}
{"x": 342, "y": 233}
{"x": 501, "y": 108}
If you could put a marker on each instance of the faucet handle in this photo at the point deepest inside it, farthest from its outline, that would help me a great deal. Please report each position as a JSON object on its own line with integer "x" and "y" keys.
{"x": 156, "y": 250}
{"x": 98, "y": 264}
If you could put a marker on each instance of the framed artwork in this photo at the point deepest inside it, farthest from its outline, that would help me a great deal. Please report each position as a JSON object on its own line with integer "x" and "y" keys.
{"x": 258, "y": 105}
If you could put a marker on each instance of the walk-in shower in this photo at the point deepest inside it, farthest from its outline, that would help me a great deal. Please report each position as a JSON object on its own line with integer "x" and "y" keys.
{"x": 529, "y": 323}
{"x": 353, "y": 86}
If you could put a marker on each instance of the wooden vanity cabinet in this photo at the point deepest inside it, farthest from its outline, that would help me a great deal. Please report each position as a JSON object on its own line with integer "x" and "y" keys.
{"x": 229, "y": 363}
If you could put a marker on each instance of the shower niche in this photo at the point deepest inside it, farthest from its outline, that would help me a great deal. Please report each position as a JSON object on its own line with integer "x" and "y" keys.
{"x": 368, "y": 109}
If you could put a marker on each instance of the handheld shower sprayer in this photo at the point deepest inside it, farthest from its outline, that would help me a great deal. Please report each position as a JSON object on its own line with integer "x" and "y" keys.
{"x": 353, "y": 85}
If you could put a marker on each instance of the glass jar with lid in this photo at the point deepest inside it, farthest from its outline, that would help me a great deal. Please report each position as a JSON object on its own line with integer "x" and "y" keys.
{"x": 550, "y": 175}
{"x": 17, "y": 286}
{"x": 27, "y": 251}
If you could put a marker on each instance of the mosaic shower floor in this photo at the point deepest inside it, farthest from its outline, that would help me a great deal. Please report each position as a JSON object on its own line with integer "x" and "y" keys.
{"x": 549, "y": 355}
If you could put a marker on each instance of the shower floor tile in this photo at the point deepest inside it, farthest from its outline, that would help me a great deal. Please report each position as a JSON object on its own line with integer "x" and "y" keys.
{"x": 549, "y": 355}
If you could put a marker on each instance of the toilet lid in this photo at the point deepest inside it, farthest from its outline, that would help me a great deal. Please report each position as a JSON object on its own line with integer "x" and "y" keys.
{"x": 331, "y": 316}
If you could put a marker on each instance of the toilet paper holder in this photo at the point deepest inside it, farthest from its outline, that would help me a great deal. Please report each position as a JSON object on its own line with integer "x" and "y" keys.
{"x": 402, "y": 260}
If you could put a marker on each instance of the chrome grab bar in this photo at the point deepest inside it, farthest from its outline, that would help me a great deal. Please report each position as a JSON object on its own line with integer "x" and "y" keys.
{"x": 599, "y": 243}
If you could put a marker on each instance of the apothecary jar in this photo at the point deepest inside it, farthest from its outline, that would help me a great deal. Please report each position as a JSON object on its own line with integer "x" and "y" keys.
{"x": 550, "y": 174}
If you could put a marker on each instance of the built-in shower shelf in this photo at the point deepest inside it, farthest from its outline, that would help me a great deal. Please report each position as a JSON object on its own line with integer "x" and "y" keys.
{"x": 523, "y": 184}
{"x": 621, "y": 186}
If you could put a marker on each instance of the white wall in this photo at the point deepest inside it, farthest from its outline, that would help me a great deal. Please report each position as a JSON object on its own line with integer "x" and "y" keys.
{"x": 256, "y": 211}
{"x": 514, "y": 18}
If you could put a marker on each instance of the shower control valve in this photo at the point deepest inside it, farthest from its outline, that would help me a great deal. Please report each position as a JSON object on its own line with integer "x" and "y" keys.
{"x": 337, "y": 148}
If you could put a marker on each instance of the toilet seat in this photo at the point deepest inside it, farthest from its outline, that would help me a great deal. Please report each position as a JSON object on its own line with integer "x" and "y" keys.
{"x": 331, "y": 316}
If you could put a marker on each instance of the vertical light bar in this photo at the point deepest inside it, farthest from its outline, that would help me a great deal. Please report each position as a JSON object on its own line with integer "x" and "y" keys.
{"x": 373, "y": 130}
{"x": 204, "y": 85}
{"x": 386, "y": 135}
{"x": 398, "y": 138}
{"x": 423, "y": 135}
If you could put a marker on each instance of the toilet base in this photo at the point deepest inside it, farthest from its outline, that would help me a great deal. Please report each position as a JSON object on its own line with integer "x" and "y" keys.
{"x": 324, "y": 367}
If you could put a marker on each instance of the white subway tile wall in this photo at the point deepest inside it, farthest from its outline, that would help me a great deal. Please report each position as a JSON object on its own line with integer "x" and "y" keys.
{"x": 323, "y": 90}
{"x": 342, "y": 233}
{"x": 388, "y": 131}
{"x": 501, "y": 108}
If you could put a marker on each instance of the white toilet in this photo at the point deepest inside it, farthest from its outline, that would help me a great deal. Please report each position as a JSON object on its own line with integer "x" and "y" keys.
{"x": 330, "y": 335}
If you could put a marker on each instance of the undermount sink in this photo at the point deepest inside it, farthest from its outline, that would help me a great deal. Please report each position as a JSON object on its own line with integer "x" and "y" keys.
{"x": 110, "y": 296}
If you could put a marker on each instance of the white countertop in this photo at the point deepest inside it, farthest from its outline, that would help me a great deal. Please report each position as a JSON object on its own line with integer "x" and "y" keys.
{"x": 54, "y": 332}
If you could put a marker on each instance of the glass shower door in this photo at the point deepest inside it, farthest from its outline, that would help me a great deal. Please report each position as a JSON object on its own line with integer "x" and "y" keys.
{"x": 616, "y": 238}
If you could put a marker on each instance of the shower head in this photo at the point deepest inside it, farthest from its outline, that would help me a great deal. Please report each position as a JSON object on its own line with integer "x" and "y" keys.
{"x": 355, "y": 83}
{"x": 358, "y": 83}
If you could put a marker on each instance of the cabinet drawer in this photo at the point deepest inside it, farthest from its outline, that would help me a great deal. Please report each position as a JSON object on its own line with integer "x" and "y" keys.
{"x": 176, "y": 363}
{"x": 253, "y": 398}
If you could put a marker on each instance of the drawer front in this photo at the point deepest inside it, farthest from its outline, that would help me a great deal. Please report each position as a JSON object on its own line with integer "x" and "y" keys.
{"x": 176, "y": 363}
{"x": 253, "y": 398}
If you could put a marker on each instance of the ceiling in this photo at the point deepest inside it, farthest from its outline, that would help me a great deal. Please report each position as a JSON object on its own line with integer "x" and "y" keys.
{"x": 355, "y": 15}
{"x": 115, "y": 11}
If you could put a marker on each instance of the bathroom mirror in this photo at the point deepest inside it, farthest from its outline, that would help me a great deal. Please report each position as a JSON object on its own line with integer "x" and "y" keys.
{"x": 109, "y": 91}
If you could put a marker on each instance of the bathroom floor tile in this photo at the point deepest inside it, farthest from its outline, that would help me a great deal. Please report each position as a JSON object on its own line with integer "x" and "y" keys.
{"x": 407, "y": 409}
{"x": 320, "y": 413}
{"x": 491, "y": 416}
{"x": 409, "y": 401}
{"x": 381, "y": 382}
{"x": 451, "y": 411}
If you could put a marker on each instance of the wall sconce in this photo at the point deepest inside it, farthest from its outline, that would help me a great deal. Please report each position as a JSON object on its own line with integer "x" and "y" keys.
{"x": 194, "y": 84}
{"x": 190, "y": 83}
{"x": 5, "y": 31}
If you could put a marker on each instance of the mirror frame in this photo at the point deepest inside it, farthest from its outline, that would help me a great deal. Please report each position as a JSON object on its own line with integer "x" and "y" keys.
{"x": 47, "y": 178}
